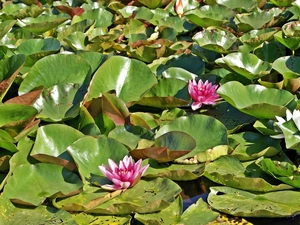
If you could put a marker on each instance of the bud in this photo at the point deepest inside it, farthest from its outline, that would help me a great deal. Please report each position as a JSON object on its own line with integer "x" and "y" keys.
{"x": 179, "y": 8}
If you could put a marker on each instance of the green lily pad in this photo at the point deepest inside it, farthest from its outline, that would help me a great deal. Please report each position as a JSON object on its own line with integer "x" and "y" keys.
{"x": 251, "y": 145}
{"x": 283, "y": 3}
{"x": 11, "y": 215}
{"x": 256, "y": 19}
{"x": 35, "y": 49}
{"x": 210, "y": 15}
{"x": 245, "y": 64}
{"x": 173, "y": 171}
{"x": 49, "y": 180}
{"x": 152, "y": 4}
{"x": 64, "y": 89}
{"x": 215, "y": 39}
{"x": 16, "y": 116}
{"x": 124, "y": 79}
{"x": 256, "y": 100}
{"x": 145, "y": 197}
{"x": 234, "y": 4}
{"x": 95, "y": 14}
{"x": 43, "y": 23}
{"x": 245, "y": 204}
{"x": 9, "y": 69}
{"x": 5, "y": 26}
{"x": 229, "y": 171}
{"x": 293, "y": 43}
{"x": 89, "y": 153}
{"x": 283, "y": 171}
{"x": 256, "y": 37}
{"x": 288, "y": 66}
{"x": 92, "y": 219}
{"x": 173, "y": 214}
{"x": 49, "y": 142}
{"x": 232, "y": 118}
{"x": 197, "y": 127}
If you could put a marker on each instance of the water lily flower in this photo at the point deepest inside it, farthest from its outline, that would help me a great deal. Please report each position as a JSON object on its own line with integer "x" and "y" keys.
{"x": 178, "y": 7}
{"x": 202, "y": 93}
{"x": 126, "y": 175}
{"x": 295, "y": 116}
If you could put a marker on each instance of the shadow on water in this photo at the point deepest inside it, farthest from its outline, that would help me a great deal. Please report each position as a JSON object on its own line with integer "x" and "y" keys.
{"x": 193, "y": 190}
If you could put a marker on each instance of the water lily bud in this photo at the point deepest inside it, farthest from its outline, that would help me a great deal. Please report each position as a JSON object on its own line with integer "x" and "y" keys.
{"x": 179, "y": 8}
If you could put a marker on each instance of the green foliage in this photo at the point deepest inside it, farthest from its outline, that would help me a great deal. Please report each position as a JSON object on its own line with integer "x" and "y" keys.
{"x": 82, "y": 82}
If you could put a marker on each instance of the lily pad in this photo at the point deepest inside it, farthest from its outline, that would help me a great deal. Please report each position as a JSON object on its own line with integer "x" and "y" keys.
{"x": 11, "y": 215}
{"x": 229, "y": 171}
{"x": 64, "y": 89}
{"x": 210, "y": 15}
{"x": 215, "y": 39}
{"x": 283, "y": 171}
{"x": 256, "y": 19}
{"x": 43, "y": 23}
{"x": 234, "y": 4}
{"x": 50, "y": 148}
{"x": 245, "y": 64}
{"x": 49, "y": 180}
{"x": 245, "y": 204}
{"x": 256, "y": 100}
{"x": 197, "y": 127}
{"x": 122, "y": 70}
{"x": 288, "y": 66}
{"x": 145, "y": 197}
{"x": 9, "y": 69}
{"x": 173, "y": 214}
{"x": 256, "y": 37}
{"x": 293, "y": 43}
{"x": 173, "y": 171}
{"x": 251, "y": 145}
{"x": 89, "y": 153}
{"x": 232, "y": 118}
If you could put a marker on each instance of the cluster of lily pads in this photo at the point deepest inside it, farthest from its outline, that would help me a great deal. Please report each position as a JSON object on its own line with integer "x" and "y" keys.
{"x": 84, "y": 84}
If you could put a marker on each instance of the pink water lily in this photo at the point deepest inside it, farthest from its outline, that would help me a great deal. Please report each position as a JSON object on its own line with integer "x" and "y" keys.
{"x": 202, "y": 93}
{"x": 126, "y": 175}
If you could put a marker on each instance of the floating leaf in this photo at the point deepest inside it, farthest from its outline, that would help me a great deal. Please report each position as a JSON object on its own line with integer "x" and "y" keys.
{"x": 283, "y": 171}
{"x": 49, "y": 142}
{"x": 293, "y": 43}
{"x": 288, "y": 66}
{"x": 229, "y": 171}
{"x": 210, "y": 15}
{"x": 251, "y": 145}
{"x": 197, "y": 127}
{"x": 89, "y": 153}
{"x": 256, "y": 100}
{"x": 256, "y": 37}
{"x": 9, "y": 69}
{"x": 257, "y": 18}
{"x": 145, "y": 197}
{"x": 173, "y": 214}
{"x": 64, "y": 89}
{"x": 245, "y": 204}
{"x": 233, "y": 4}
{"x": 245, "y": 64}
{"x": 173, "y": 171}
{"x": 121, "y": 70}
{"x": 43, "y": 23}
{"x": 232, "y": 118}
{"x": 10, "y": 214}
{"x": 49, "y": 180}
